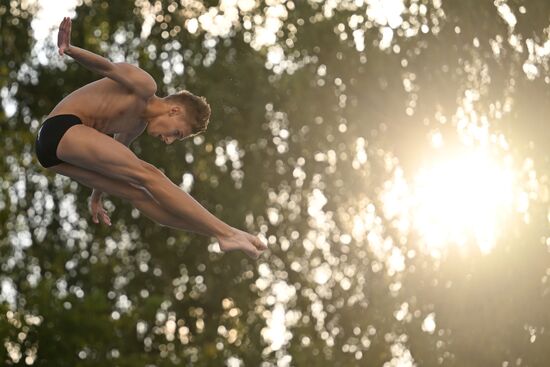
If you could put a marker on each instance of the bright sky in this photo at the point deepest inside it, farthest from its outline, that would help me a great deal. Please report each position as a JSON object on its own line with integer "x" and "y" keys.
{"x": 50, "y": 15}
{"x": 48, "y": 18}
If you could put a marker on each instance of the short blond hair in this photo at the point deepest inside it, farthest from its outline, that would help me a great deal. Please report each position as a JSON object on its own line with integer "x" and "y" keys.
{"x": 197, "y": 104}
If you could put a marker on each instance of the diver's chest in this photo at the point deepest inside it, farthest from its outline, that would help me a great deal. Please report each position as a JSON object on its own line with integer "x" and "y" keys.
{"x": 128, "y": 109}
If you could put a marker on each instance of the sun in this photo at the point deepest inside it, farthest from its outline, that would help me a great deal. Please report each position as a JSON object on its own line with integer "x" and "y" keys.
{"x": 462, "y": 198}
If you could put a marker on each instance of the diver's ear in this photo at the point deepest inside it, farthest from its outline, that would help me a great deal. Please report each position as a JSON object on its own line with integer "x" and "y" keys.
{"x": 174, "y": 110}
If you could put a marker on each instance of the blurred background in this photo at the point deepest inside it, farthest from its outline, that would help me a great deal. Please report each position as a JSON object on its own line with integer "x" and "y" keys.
{"x": 393, "y": 154}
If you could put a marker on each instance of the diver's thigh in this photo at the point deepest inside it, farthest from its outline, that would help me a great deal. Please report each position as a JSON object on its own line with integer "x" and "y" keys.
{"x": 86, "y": 147}
{"x": 100, "y": 182}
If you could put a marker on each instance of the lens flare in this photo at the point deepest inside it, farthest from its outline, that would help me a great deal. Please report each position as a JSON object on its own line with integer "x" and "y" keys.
{"x": 462, "y": 198}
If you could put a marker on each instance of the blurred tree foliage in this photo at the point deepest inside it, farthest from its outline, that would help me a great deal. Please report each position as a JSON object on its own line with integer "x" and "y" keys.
{"x": 289, "y": 118}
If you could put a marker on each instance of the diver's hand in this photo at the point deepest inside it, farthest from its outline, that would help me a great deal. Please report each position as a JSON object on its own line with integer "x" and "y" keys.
{"x": 240, "y": 240}
{"x": 96, "y": 208}
{"x": 64, "y": 35}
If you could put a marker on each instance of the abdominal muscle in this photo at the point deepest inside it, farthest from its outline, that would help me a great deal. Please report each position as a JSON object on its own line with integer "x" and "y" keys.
{"x": 105, "y": 106}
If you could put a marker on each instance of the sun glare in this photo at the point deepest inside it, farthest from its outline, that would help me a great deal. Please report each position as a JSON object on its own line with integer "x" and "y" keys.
{"x": 461, "y": 199}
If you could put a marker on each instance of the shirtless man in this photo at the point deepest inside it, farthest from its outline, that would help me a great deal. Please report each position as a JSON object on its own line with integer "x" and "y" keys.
{"x": 73, "y": 142}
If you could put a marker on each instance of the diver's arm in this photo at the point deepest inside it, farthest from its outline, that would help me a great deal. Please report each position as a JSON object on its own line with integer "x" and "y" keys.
{"x": 132, "y": 77}
{"x": 96, "y": 206}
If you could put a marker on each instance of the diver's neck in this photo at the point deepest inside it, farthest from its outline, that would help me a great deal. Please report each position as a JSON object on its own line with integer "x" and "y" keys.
{"x": 156, "y": 106}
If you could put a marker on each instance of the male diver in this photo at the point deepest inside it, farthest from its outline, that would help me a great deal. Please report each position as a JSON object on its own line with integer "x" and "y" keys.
{"x": 73, "y": 141}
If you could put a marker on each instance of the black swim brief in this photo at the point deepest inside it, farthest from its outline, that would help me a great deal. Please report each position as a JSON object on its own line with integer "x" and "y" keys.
{"x": 49, "y": 135}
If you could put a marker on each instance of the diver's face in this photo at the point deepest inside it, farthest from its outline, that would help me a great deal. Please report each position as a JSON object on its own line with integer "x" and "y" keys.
{"x": 175, "y": 129}
{"x": 176, "y": 125}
